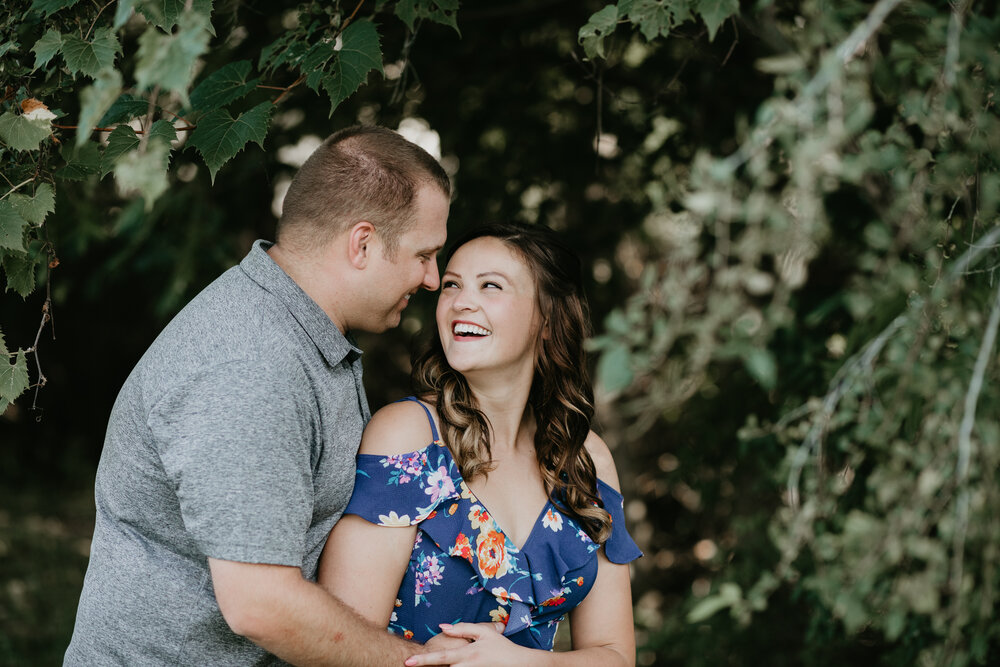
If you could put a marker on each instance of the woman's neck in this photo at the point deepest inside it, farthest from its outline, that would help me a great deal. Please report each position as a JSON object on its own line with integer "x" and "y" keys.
{"x": 505, "y": 405}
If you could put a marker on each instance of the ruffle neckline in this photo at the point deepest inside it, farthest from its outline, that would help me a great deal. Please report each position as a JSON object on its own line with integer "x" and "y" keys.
{"x": 532, "y": 580}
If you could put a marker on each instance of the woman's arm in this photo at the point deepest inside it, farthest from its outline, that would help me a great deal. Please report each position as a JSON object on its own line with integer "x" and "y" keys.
{"x": 601, "y": 626}
{"x": 363, "y": 564}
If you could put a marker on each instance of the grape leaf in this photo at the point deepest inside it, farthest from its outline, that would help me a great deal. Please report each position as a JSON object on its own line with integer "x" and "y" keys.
{"x": 121, "y": 140}
{"x": 166, "y": 14}
{"x": 223, "y": 86}
{"x": 359, "y": 54}
{"x": 11, "y": 227}
{"x": 440, "y": 11}
{"x": 20, "y": 271}
{"x": 23, "y": 134}
{"x": 655, "y": 17}
{"x": 715, "y": 12}
{"x": 144, "y": 173}
{"x": 169, "y": 61}
{"x": 123, "y": 10}
{"x": 95, "y": 100}
{"x": 125, "y": 108}
{"x": 91, "y": 57}
{"x": 13, "y": 379}
{"x": 34, "y": 208}
{"x": 50, "y": 7}
{"x": 81, "y": 161}
{"x": 600, "y": 25}
{"x": 124, "y": 140}
{"x": 47, "y": 46}
{"x": 219, "y": 136}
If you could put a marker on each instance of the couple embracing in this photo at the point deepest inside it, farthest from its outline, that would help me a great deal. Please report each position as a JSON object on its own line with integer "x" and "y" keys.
{"x": 239, "y": 523}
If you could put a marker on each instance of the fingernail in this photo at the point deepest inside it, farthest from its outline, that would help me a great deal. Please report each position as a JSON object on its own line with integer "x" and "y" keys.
{"x": 444, "y": 625}
{"x": 410, "y": 661}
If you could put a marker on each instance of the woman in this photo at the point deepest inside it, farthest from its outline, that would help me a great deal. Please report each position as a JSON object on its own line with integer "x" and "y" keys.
{"x": 512, "y": 513}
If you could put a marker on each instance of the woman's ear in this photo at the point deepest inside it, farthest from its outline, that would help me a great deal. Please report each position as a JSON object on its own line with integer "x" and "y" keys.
{"x": 361, "y": 243}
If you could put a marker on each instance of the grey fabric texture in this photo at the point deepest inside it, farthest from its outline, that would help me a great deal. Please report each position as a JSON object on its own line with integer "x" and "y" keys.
{"x": 233, "y": 438}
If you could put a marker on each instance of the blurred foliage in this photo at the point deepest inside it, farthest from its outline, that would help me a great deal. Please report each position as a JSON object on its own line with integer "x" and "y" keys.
{"x": 790, "y": 213}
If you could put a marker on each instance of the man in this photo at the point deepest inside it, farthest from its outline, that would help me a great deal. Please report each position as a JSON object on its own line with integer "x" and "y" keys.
{"x": 230, "y": 451}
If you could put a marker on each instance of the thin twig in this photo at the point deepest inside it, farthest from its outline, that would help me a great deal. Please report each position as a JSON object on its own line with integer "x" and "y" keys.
{"x": 17, "y": 187}
{"x": 99, "y": 12}
{"x": 148, "y": 120}
{"x": 965, "y": 449}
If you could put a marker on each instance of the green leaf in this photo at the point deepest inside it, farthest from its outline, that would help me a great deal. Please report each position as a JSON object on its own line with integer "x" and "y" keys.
{"x": 223, "y": 86}
{"x": 715, "y": 12}
{"x": 359, "y": 55}
{"x": 95, "y": 100}
{"x": 600, "y": 25}
{"x": 166, "y": 14}
{"x": 124, "y": 109}
{"x": 655, "y": 17}
{"x": 13, "y": 378}
{"x": 11, "y": 227}
{"x": 121, "y": 140}
{"x": 614, "y": 369}
{"x": 440, "y": 11}
{"x": 47, "y": 46}
{"x": 7, "y": 46}
{"x": 762, "y": 367}
{"x": 50, "y": 7}
{"x": 34, "y": 208}
{"x": 91, "y": 57}
{"x": 3, "y": 345}
{"x": 23, "y": 134}
{"x": 123, "y": 11}
{"x": 144, "y": 173}
{"x": 19, "y": 269}
{"x": 81, "y": 161}
{"x": 168, "y": 61}
{"x": 219, "y": 136}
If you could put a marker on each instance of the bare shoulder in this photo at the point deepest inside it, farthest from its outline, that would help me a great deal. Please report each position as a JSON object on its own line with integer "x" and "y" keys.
{"x": 604, "y": 463}
{"x": 398, "y": 428}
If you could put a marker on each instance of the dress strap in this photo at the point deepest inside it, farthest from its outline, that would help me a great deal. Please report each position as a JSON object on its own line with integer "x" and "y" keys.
{"x": 430, "y": 419}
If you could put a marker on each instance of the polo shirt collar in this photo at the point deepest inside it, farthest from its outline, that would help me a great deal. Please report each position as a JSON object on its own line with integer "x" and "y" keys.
{"x": 332, "y": 344}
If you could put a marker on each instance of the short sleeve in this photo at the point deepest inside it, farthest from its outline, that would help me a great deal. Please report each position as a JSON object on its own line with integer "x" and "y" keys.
{"x": 620, "y": 547}
{"x": 237, "y": 449}
{"x": 404, "y": 489}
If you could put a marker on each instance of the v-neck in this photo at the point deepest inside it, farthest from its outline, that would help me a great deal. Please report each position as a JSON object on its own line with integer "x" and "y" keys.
{"x": 496, "y": 524}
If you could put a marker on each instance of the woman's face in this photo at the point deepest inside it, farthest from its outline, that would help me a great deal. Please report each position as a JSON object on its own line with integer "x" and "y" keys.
{"x": 487, "y": 314}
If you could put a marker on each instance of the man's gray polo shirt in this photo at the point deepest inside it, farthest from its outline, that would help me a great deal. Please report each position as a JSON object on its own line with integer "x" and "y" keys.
{"x": 234, "y": 437}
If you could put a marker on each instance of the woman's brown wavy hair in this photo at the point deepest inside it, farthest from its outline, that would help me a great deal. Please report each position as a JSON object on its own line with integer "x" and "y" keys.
{"x": 561, "y": 396}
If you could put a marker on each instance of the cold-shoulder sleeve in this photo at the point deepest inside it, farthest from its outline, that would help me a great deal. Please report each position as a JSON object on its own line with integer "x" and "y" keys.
{"x": 403, "y": 489}
{"x": 620, "y": 547}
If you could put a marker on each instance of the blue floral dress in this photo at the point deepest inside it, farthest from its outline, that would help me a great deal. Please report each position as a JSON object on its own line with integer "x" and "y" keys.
{"x": 463, "y": 568}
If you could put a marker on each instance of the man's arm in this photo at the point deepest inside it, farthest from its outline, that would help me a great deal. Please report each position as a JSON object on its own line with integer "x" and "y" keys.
{"x": 298, "y": 621}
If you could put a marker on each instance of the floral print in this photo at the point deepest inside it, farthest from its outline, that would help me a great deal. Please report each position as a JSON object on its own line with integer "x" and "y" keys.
{"x": 463, "y": 567}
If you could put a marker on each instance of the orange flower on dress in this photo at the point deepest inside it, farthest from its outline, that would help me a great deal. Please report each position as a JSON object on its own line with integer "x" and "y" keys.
{"x": 499, "y": 615}
{"x": 462, "y": 548}
{"x": 492, "y": 552}
{"x": 408, "y": 634}
{"x": 558, "y": 597}
{"x": 479, "y": 517}
{"x": 451, "y": 510}
{"x": 579, "y": 581}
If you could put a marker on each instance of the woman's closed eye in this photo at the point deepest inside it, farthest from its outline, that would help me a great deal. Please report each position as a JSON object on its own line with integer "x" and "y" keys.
{"x": 490, "y": 283}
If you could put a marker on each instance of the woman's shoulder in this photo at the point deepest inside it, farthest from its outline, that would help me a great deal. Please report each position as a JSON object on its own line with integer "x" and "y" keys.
{"x": 398, "y": 428}
{"x": 604, "y": 462}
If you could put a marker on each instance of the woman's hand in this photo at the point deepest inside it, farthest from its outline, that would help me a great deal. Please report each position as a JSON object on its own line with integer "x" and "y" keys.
{"x": 484, "y": 645}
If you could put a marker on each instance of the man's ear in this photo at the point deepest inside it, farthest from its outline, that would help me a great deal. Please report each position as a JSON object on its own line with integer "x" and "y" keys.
{"x": 361, "y": 243}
